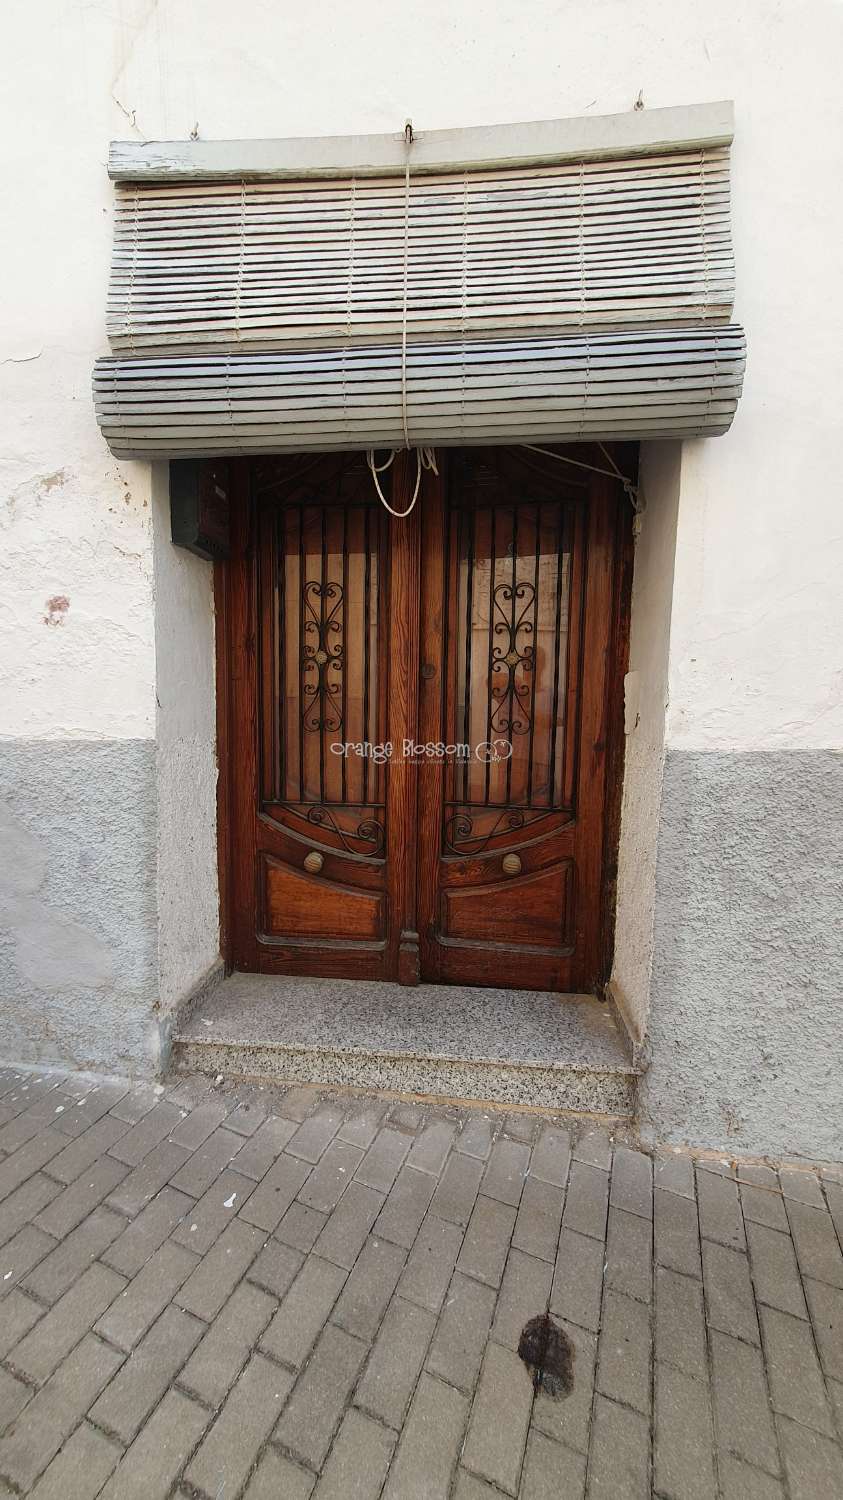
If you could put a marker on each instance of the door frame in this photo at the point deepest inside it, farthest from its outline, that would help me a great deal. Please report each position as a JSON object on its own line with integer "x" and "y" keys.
{"x": 406, "y": 564}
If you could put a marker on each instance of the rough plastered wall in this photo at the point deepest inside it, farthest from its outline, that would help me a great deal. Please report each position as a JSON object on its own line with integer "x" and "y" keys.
{"x": 741, "y": 1042}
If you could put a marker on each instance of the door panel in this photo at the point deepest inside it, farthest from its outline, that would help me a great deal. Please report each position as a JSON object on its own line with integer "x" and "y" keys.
{"x": 482, "y": 619}
{"x": 519, "y": 617}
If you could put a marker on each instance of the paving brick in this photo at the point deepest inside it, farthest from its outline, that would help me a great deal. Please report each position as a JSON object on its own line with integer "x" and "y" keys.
{"x": 406, "y": 1117}
{"x": 362, "y": 1124}
{"x": 18, "y": 1313}
{"x": 486, "y": 1244}
{"x": 619, "y": 1461}
{"x": 401, "y": 1216}
{"x": 21, "y": 1253}
{"x": 578, "y": 1280}
{"x": 539, "y": 1216}
{"x": 594, "y": 1147}
{"x": 430, "y": 1149}
{"x": 14, "y": 1395}
{"x": 551, "y": 1471}
{"x": 383, "y": 1160}
{"x": 761, "y": 1197}
{"x": 344, "y": 1234}
{"x": 218, "y": 1273}
{"x": 429, "y": 1445}
{"x": 740, "y": 1482}
{"x": 719, "y": 1210}
{"x": 145, "y": 1181}
{"x": 277, "y": 1478}
{"x": 504, "y": 1176}
{"x": 826, "y": 1304}
{"x": 205, "y": 1164}
{"x": 223, "y": 1461}
{"x": 301, "y": 1227}
{"x": 730, "y": 1304}
{"x": 320, "y": 1396}
{"x": 276, "y": 1267}
{"x": 632, "y": 1182}
{"x": 29, "y": 1159}
{"x": 216, "y": 1362}
{"x": 202, "y": 1226}
{"x": 366, "y": 1294}
{"x": 257, "y": 1155}
{"x": 456, "y": 1191}
{"x": 80, "y": 1470}
{"x": 100, "y": 1098}
{"x": 817, "y": 1246}
{"x": 797, "y": 1388}
{"x": 24, "y": 1203}
{"x": 525, "y": 1291}
{"x": 680, "y": 1323}
{"x": 357, "y": 1464}
{"x": 140, "y": 1139}
{"x": 431, "y": 1262}
{"x": 305, "y": 1309}
{"x": 814, "y": 1466}
{"x": 84, "y": 1150}
{"x": 569, "y": 1421}
{"x": 500, "y": 1417}
{"x": 475, "y": 1138}
{"x": 674, "y": 1172}
{"x": 298, "y": 1102}
{"x": 315, "y": 1134}
{"x": 586, "y": 1201}
{"x": 150, "y": 1467}
{"x": 137, "y": 1103}
{"x": 742, "y": 1411}
{"x": 82, "y": 1196}
{"x": 146, "y": 1295}
{"x": 198, "y": 1124}
{"x": 52, "y": 1414}
{"x": 396, "y": 1360}
{"x": 774, "y": 1270}
{"x": 629, "y": 1254}
{"x": 801, "y": 1187}
{"x": 469, "y": 1487}
{"x": 676, "y": 1233}
{"x": 683, "y": 1447}
{"x": 140, "y": 1239}
{"x": 461, "y": 1333}
{"x": 834, "y": 1199}
{"x": 329, "y": 1180}
{"x": 521, "y": 1127}
{"x": 67, "y": 1260}
{"x": 274, "y": 1194}
{"x": 42, "y": 1350}
{"x": 141, "y": 1382}
{"x": 623, "y": 1351}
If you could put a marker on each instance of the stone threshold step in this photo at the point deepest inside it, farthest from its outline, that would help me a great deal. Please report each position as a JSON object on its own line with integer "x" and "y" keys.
{"x": 516, "y": 1047}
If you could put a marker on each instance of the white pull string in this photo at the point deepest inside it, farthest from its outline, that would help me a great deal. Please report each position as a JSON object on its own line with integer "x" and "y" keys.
{"x": 408, "y": 141}
{"x": 425, "y": 459}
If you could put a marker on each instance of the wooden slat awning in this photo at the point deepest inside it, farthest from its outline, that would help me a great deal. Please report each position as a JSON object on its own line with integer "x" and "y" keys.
{"x": 571, "y": 296}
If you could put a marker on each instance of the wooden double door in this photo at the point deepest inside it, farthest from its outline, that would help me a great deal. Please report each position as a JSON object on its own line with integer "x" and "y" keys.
{"x": 419, "y": 717}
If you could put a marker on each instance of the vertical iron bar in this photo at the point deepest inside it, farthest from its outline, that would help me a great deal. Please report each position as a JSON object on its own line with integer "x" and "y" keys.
{"x": 324, "y": 695}
{"x": 367, "y": 625}
{"x": 301, "y": 708}
{"x": 280, "y": 665}
{"x": 492, "y": 565}
{"x": 471, "y": 544}
{"x": 344, "y": 644}
{"x": 557, "y": 633}
{"x": 512, "y": 647}
{"x": 535, "y": 682}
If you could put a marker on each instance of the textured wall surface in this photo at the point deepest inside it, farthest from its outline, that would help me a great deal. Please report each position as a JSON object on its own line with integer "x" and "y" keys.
{"x": 746, "y": 1020}
{"x": 78, "y": 970}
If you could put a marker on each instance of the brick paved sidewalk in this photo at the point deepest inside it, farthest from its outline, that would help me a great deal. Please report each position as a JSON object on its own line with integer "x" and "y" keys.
{"x": 235, "y": 1291}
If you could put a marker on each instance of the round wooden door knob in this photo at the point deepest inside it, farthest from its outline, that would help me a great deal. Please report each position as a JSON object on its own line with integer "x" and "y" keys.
{"x": 511, "y": 864}
{"x": 313, "y": 862}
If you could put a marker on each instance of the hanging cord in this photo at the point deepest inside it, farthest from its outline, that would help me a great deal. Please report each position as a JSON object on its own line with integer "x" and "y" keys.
{"x": 408, "y": 141}
{"x": 632, "y": 491}
{"x": 425, "y": 459}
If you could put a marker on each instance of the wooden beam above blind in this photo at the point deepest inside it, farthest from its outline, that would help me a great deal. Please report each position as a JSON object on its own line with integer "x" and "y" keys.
{"x": 584, "y": 138}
